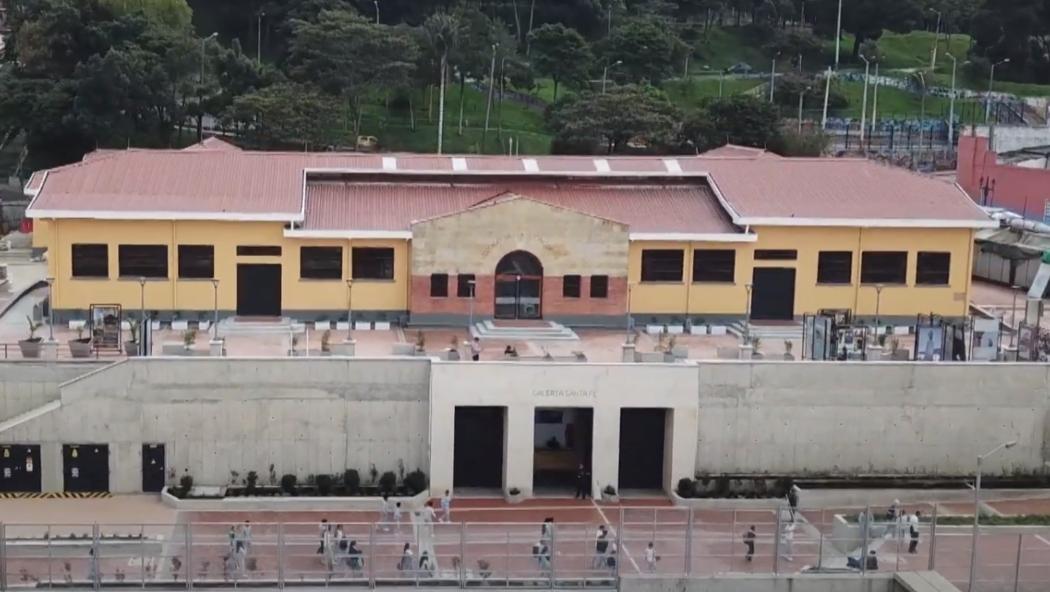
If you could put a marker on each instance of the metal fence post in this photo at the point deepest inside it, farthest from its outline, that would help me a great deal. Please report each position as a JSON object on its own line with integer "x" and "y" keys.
{"x": 865, "y": 533}
{"x": 619, "y": 548}
{"x": 1017, "y": 567}
{"x": 142, "y": 554}
{"x": 776, "y": 539}
{"x": 689, "y": 542}
{"x": 50, "y": 579}
{"x": 553, "y": 557}
{"x": 96, "y": 577}
{"x": 188, "y": 541}
{"x": 372, "y": 555}
{"x": 462, "y": 554}
{"x": 280, "y": 555}
{"x": 933, "y": 539}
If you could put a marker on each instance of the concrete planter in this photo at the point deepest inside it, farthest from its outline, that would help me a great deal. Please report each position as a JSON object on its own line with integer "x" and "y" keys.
{"x": 699, "y": 330}
{"x": 654, "y": 329}
{"x": 718, "y": 329}
{"x": 282, "y": 503}
{"x": 30, "y": 347}
{"x": 346, "y": 348}
{"x": 131, "y": 349}
{"x": 80, "y": 348}
{"x": 514, "y": 498}
{"x": 217, "y": 348}
{"x": 675, "y": 329}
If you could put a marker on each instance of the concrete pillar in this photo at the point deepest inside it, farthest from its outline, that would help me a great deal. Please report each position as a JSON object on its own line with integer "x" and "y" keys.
{"x": 605, "y": 455}
{"x": 518, "y": 451}
{"x": 442, "y": 440}
{"x": 51, "y": 465}
{"x": 628, "y": 353}
{"x": 680, "y": 445}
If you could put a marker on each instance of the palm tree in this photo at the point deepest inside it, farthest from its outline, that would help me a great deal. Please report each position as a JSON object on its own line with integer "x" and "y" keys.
{"x": 442, "y": 31}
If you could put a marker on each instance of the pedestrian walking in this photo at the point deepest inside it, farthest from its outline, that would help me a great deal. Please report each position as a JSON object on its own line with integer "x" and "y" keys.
{"x": 397, "y": 517}
{"x": 583, "y": 482}
{"x": 787, "y": 539}
{"x": 651, "y": 558}
{"x": 475, "y": 349}
{"x": 913, "y": 530}
{"x": 792, "y": 498}
{"x": 232, "y": 539}
{"x": 426, "y": 566}
{"x": 429, "y": 515}
{"x": 384, "y": 513}
{"x": 601, "y": 547}
{"x": 547, "y": 529}
{"x": 354, "y": 557}
{"x": 749, "y": 542}
{"x": 406, "y": 563}
{"x": 246, "y": 536}
{"x": 323, "y": 532}
{"x": 610, "y": 557}
{"x": 446, "y": 507}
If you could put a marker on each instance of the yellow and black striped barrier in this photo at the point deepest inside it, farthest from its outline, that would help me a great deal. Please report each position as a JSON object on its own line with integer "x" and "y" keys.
{"x": 55, "y": 495}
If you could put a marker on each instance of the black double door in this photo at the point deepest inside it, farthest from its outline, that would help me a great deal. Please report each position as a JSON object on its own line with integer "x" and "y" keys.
{"x": 152, "y": 467}
{"x": 642, "y": 448}
{"x": 478, "y": 447}
{"x": 19, "y": 468}
{"x": 773, "y": 294}
{"x": 518, "y": 297}
{"x": 85, "y": 467}
{"x": 259, "y": 290}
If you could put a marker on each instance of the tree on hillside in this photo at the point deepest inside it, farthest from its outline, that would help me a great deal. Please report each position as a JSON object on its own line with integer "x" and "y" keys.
{"x": 349, "y": 56}
{"x": 644, "y": 46}
{"x": 1018, "y": 30}
{"x": 442, "y": 31}
{"x": 284, "y": 114}
{"x": 616, "y": 117}
{"x": 175, "y": 14}
{"x": 866, "y": 19}
{"x": 738, "y": 119}
{"x": 561, "y": 53}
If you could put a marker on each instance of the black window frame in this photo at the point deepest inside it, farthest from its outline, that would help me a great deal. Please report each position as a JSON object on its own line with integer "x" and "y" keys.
{"x": 599, "y": 286}
{"x": 439, "y": 280}
{"x": 463, "y": 285}
{"x": 899, "y": 277}
{"x": 321, "y": 262}
{"x": 829, "y": 268}
{"x": 382, "y": 267}
{"x": 258, "y": 250}
{"x": 196, "y": 262}
{"x": 655, "y": 269}
{"x": 715, "y": 272}
{"x": 571, "y": 286}
{"x": 776, "y": 255}
{"x": 928, "y": 277}
{"x": 79, "y": 251}
{"x": 127, "y": 267}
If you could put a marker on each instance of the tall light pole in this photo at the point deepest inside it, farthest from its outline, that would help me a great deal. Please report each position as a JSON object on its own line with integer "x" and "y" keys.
{"x": 991, "y": 83}
{"x": 488, "y": 102}
{"x": 773, "y": 76}
{"x": 50, "y": 309}
{"x": 878, "y": 301}
{"x": 977, "y": 510}
{"x": 838, "y": 35}
{"x": 951, "y": 103}
{"x": 936, "y": 32}
{"x": 827, "y": 94}
{"x": 627, "y": 320}
{"x": 215, "y": 318}
{"x": 472, "y": 284}
{"x": 747, "y": 322}
{"x": 864, "y": 101}
{"x": 258, "y": 41}
{"x": 142, "y": 316}
{"x": 721, "y": 82}
{"x": 605, "y": 73}
{"x": 349, "y": 308}
{"x": 1013, "y": 316}
{"x": 200, "y": 92}
{"x": 376, "y": 2}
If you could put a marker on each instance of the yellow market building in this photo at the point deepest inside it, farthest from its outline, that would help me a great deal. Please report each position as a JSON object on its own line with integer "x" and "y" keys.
{"x": 430, "y": 240}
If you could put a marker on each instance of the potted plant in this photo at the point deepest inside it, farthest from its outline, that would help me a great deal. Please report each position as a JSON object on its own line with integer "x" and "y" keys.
{"x": 421, "y": 342}
{"x": 453, "y": 348}
{"x": 81, "y": 346}
{"x": 189, "y": 337}
{"x": 131, "y": 346}
{"x": 755, "y": 343}
{"x": 30, "y": 346}
{"x": 788, "y": 346}
{"x": 609, "y": 495}
{"x": 326, "y": 347}
{"x": 514, "y": 496}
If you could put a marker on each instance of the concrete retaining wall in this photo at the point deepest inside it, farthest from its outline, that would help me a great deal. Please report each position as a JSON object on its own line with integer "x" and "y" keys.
{"x": 26, "y": 385}
{"x": 763, "y": 583}
{"x": 217, "y": 416}
{"x": 870, "y": 417}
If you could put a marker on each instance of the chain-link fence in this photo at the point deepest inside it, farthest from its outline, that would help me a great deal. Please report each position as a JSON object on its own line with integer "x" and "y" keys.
{"x": 661, "y": 541}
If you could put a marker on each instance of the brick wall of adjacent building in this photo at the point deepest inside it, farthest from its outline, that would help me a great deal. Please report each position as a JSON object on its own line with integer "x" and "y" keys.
{"x": 553, "y": 302}
{"x": 1022, "y": 190}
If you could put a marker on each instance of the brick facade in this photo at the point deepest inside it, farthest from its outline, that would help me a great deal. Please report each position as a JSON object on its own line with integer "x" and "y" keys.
{"x": 553, "y": 303}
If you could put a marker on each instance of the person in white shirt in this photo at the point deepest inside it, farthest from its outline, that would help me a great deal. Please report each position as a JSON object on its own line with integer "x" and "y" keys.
{"x": 913, "y": 531}
{"x": 446, "y": 507}
{"x": 429, "y": 516}
{"x": 651, "y": 558}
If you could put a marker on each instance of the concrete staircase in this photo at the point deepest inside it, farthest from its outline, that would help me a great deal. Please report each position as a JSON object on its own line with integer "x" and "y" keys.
{"x": 779, "y": 331}
{"x": 538, "y": 331}
{"x": 250, "y": 326}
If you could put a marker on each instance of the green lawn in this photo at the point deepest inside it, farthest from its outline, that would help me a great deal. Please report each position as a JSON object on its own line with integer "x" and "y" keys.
{"x": 896, "y": 103}
{"x": 688, "y": 94}
{"x": 723, "y": 47}
{"x": 907, "y": 50}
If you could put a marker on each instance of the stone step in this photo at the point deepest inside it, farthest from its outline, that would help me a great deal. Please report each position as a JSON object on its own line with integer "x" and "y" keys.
{"x": 738, "y": 328}
{"x": 541, "y": 332}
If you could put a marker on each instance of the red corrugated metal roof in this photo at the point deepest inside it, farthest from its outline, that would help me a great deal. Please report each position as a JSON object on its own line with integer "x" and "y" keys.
{"x": 395, "y": 206}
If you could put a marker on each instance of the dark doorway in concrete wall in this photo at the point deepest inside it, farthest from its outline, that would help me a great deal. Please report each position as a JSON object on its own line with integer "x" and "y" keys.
{"x": 85, "y": 467}
{"x": 19, "y": 467}
{"x": 152, "y": 467}
{"x": 258, "y": 290}
{"x": 477, "y": 455}
{"x": 562, "y": 441}
{"x": 642, "y": 448}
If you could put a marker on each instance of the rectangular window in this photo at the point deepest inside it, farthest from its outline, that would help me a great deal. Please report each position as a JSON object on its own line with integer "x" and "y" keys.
{"x": 884, "y": 267}
{"x": 258, "y": 251}
{"x": 932, "y": 269}
{"x": 465, "y": 286}
{"x": 570, "y": 286}
{"x": 714, "y": 265}
{"x": 835, "y": 267}
{"x": 321, "y": 263}
{"x": 662, "y": 265}
{"x": 90, "y": 261}
{"x": 439, "y": 285}
{"x": 373, "y": 263}
{"x": 599, "y": 286}
{"x": 196, "y": 262}
{"x": 776, "y": 254}
{"x": 149, "y": 261}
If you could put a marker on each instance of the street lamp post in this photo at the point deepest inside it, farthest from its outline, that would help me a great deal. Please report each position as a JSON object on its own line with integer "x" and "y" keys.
{"x": 215, "y": 318}
{"x": 878, "y": 301}
{"x": 874, "y": 100}
{"x": 1013, "y": 316}
{"x": 471, "y": 284}
{"x": 627, "y": 313}
{"x": 838, "y": 35}
{"x": 864, "y": 101}
{"x": 747, "y": 321}
{"x": 721, "y": 82}
{"x": 991, "y": 83}
{"x": 827, "y": 95}
{"x": 936, "y": 33}
{"x": 349, "y": 308}
{"x": 951, "y": 103}
{"x": 200, "y": 87}
{"x": 376, "y": 2}
{"x": 977, "y": 508}
{"x": 142, "y": 316}
{"x": 50, "y": 309}
{"x": 605, "y": 73}
{"x": 258, "y": 41}
{"x": 773, "y": 76}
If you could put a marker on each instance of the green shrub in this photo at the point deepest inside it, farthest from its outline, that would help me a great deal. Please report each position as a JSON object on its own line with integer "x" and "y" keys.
{"x": 288, "y": 484}
{"x": 415, "y": 482}
{"x": 324, "y": 484}
{"x": 387, "y": 482}
{"x": 250, "y": 482}
{"x": 186, "y": 484}
{"x": 352, "y": 482}
{"x": 685, "y": 487}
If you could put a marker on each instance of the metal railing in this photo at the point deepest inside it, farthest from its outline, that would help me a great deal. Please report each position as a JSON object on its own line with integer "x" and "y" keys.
{"x": 517, "y": 554}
